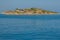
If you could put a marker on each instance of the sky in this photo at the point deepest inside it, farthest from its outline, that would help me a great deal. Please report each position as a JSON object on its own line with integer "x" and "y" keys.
{"x": 53, "y": 5}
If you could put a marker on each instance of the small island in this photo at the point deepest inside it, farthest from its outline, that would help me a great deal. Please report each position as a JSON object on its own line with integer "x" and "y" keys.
{"x": 28, "y": 11}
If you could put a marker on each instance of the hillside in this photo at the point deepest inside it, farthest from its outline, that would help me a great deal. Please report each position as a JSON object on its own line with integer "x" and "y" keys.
{"x": 28, "y": 11}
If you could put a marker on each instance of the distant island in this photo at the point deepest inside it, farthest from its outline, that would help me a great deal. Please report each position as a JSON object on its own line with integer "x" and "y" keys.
{"x": 28, "y": 11}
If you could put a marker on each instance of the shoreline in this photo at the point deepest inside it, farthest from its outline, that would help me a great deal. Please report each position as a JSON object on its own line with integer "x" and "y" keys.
{"x": 28, "y": 11}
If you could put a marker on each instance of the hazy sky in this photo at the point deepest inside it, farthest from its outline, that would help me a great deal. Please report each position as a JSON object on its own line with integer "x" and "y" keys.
{"x": 53, "y": 5}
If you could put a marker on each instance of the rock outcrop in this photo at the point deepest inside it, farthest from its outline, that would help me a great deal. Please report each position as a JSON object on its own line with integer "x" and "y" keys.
{"x": 28, "y": 11}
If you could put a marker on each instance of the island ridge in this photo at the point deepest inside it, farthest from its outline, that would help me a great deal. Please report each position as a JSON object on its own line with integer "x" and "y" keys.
{"x": 28, "y": 11}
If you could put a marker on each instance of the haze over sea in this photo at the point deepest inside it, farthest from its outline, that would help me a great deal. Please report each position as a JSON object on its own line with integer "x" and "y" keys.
{"x": 41, "y": 27}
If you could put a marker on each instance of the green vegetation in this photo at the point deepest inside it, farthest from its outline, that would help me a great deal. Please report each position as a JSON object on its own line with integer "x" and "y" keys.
{"x": 30, "y": 11}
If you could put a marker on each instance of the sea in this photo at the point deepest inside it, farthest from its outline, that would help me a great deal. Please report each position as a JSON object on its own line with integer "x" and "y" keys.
{"x": 30, "y": 27}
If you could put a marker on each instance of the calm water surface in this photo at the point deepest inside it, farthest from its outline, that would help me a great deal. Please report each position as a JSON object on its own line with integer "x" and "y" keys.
{"x": 29, "y": 29}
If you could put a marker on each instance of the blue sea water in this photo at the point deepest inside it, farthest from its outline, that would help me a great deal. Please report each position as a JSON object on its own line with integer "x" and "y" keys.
{"x": 40, "y": 27}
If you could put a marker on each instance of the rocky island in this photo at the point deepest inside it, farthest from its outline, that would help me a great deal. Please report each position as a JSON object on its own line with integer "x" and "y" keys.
{"x": 28, "y": 11}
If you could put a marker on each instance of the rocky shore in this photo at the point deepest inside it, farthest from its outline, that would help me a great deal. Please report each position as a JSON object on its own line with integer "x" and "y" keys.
{"x": 28, "y": 11}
